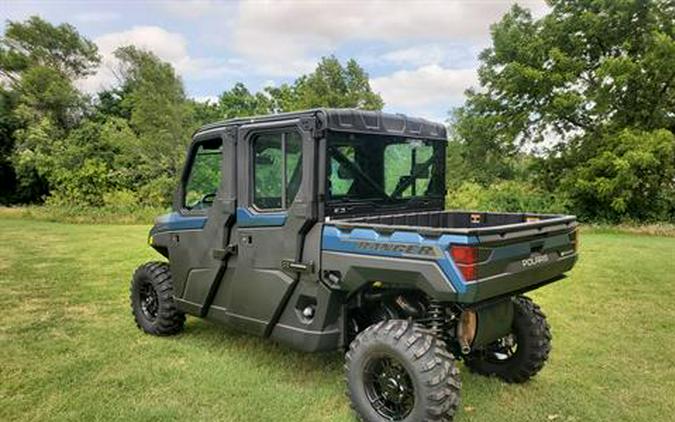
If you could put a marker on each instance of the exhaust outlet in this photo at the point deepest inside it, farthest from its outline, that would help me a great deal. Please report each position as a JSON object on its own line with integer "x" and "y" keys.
{"x": 466, "y": 330}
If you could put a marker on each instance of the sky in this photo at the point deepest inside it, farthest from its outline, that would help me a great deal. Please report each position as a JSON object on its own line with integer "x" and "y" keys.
{"x": 421, "y": 55}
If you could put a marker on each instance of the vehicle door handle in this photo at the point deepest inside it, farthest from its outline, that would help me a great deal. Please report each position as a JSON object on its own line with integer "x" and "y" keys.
{"x": 223, "y": 254}
{"x": 299, "y": 267}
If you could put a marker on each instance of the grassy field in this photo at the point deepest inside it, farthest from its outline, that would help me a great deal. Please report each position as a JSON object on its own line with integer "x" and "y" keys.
{"x": 70, "y": 350}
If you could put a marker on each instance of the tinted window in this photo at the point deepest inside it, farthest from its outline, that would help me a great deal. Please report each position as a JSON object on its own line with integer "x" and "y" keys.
{"x": 277, "y": 169}
{"x": 365, "y": 167}
{"x": 267, "y": 171}
{"x": 293, "y": 165}
{"x": 202, "y": 184}
{"x": 405, "y": 171}
{"x": 340, "y": 178}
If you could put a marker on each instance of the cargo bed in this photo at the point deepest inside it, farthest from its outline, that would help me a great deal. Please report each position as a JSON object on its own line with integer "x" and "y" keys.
{"x": 514, "y": 252}
{"x": 485, "y": 225}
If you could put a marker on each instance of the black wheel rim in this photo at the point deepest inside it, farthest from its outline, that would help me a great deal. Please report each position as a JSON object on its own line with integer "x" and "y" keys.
{"x": 389, "y": 388}
{"x": 502, "y": 350}
{"x": 149, "y": 301}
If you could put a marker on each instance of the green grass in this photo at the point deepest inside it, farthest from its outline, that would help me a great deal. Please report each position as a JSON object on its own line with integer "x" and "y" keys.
{"x": 70, "y": 350}
{"x": 82, "y": 214}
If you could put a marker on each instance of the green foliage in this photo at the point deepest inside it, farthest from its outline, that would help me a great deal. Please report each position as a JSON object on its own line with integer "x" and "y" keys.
{"x": 239, "y": 102}
{"x": 39, "y": 63}
{"x": 506, "y": 196}
{"x": 128, "y": 144}
{"x": 587, "y": 88}
{"x": 592, "y": 86}
{"x": 333, "y": 85}
{"x": 36, "y": 42}
{"x": 160, "y": 114}
{"x": 8, "y": 124}
{"x": 588, "y": 64}
{"x": 330, "y": 85}
{"x": 632, "y": 178}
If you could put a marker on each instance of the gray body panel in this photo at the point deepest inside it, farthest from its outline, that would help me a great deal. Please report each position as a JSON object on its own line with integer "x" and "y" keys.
{"x": 258, "y": 270}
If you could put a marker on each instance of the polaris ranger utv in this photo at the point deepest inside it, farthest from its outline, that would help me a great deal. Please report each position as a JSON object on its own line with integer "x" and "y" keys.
{"x": 325, "y": 230}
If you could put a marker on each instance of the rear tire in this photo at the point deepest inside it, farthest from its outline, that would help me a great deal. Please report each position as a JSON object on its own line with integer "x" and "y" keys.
{"x": 152, "y": 304}
{"x": 399, "y": 371}
{"x": 532, "y": 338}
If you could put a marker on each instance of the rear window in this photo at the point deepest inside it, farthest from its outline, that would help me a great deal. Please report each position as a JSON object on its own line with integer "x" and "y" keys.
{"x": 366, "y": 167}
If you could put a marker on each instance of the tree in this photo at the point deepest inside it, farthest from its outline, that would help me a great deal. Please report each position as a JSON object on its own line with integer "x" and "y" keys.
{"x": 586, "y": 65}
{"x": 161, "y": 116}
{"x": 8, "y": 124}
{"x": 334, "y": 85}
{"x": 633, "y": 176}
{"x": 39, "y": 63}
{"x": 240, "y": 102}
{"x": 570, "y": 81}
{"x": 330, "y": 85}
{"x": 36, "y": 42}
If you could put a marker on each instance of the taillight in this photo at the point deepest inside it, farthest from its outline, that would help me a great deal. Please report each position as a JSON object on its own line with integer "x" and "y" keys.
{"x": 466, "y": 258}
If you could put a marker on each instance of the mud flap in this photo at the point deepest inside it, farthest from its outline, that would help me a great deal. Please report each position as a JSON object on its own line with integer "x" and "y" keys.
{"x": 494, "y": 320}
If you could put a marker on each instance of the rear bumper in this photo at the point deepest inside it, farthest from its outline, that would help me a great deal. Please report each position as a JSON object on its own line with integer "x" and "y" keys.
{"x": 513, "y": 283}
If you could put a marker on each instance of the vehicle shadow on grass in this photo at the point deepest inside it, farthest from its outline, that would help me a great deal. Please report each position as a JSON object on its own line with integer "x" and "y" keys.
{"x": 327, "y": 367}
{"x": 297, "y": 365}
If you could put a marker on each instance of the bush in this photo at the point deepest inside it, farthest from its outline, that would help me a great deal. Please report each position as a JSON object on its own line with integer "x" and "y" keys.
{"x": 631, "y": 178}
{"x": 63, "y": 213}
{"x": 505, "y": 196}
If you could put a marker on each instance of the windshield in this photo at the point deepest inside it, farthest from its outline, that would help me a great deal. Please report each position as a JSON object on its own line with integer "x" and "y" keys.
{"x": 383, "y": 169}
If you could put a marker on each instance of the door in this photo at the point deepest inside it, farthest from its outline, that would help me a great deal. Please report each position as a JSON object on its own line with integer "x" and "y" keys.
{"x": 276, "y": 208}
{"x": 207, "y": 192}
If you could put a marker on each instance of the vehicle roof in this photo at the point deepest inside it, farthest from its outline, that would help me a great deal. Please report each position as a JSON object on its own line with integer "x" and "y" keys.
{"x": 349, "y": 120}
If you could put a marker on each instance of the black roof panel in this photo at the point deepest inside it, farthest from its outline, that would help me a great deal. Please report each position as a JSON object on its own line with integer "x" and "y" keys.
{"x": 351, "y": 120}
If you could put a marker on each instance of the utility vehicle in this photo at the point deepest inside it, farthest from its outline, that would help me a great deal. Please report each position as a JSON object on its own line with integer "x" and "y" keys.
{"x": 326, "y": 230}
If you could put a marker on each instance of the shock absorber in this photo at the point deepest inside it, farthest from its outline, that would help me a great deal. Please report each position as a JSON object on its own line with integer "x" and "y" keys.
{"x": 435, "y": 318}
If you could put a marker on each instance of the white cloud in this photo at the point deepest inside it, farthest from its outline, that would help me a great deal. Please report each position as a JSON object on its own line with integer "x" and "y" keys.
{"x": 194, "y": 9}
{"x": 455, "y": 55}
{"x": 168, "y": 46}
{"x": 425, "y": 88}
{"x": 282, "y": 33}
{"x": 206, "y": 99}
{"x": 96, "y": 17}
{"x": 418, "y": 55}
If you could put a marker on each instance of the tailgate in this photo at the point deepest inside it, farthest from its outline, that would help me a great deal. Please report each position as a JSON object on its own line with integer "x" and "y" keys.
{"x": 521, "y": 260}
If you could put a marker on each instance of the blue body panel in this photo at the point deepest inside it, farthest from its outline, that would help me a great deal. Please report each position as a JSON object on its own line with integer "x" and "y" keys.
{"x": 245, "y": 218}
{"x": 337, "y": 240}
{"x": 175, "y": 222}
{"x": 250, "y": 218}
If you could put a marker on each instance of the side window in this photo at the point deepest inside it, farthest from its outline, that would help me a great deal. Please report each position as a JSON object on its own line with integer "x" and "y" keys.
{"x": 293, "y": 166}
{"x": 406, "y": 169}
{"x": 277, "y": 169}
{"x": 341, "y": 178}
{"x": 202, "y": 183}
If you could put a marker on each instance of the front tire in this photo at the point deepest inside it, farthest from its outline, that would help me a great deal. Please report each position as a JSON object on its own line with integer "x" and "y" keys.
{"x": 522, "y": 354}
{"x": 152, "y": 305}
{"x": 399, "y": 371}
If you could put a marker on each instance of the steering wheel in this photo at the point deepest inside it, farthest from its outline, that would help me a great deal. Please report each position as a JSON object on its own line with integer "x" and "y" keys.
{"x": 205, "y": 201}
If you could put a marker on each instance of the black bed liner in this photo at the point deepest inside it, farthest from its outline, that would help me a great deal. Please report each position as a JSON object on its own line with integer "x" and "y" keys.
{"x": 487, "y": 225}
